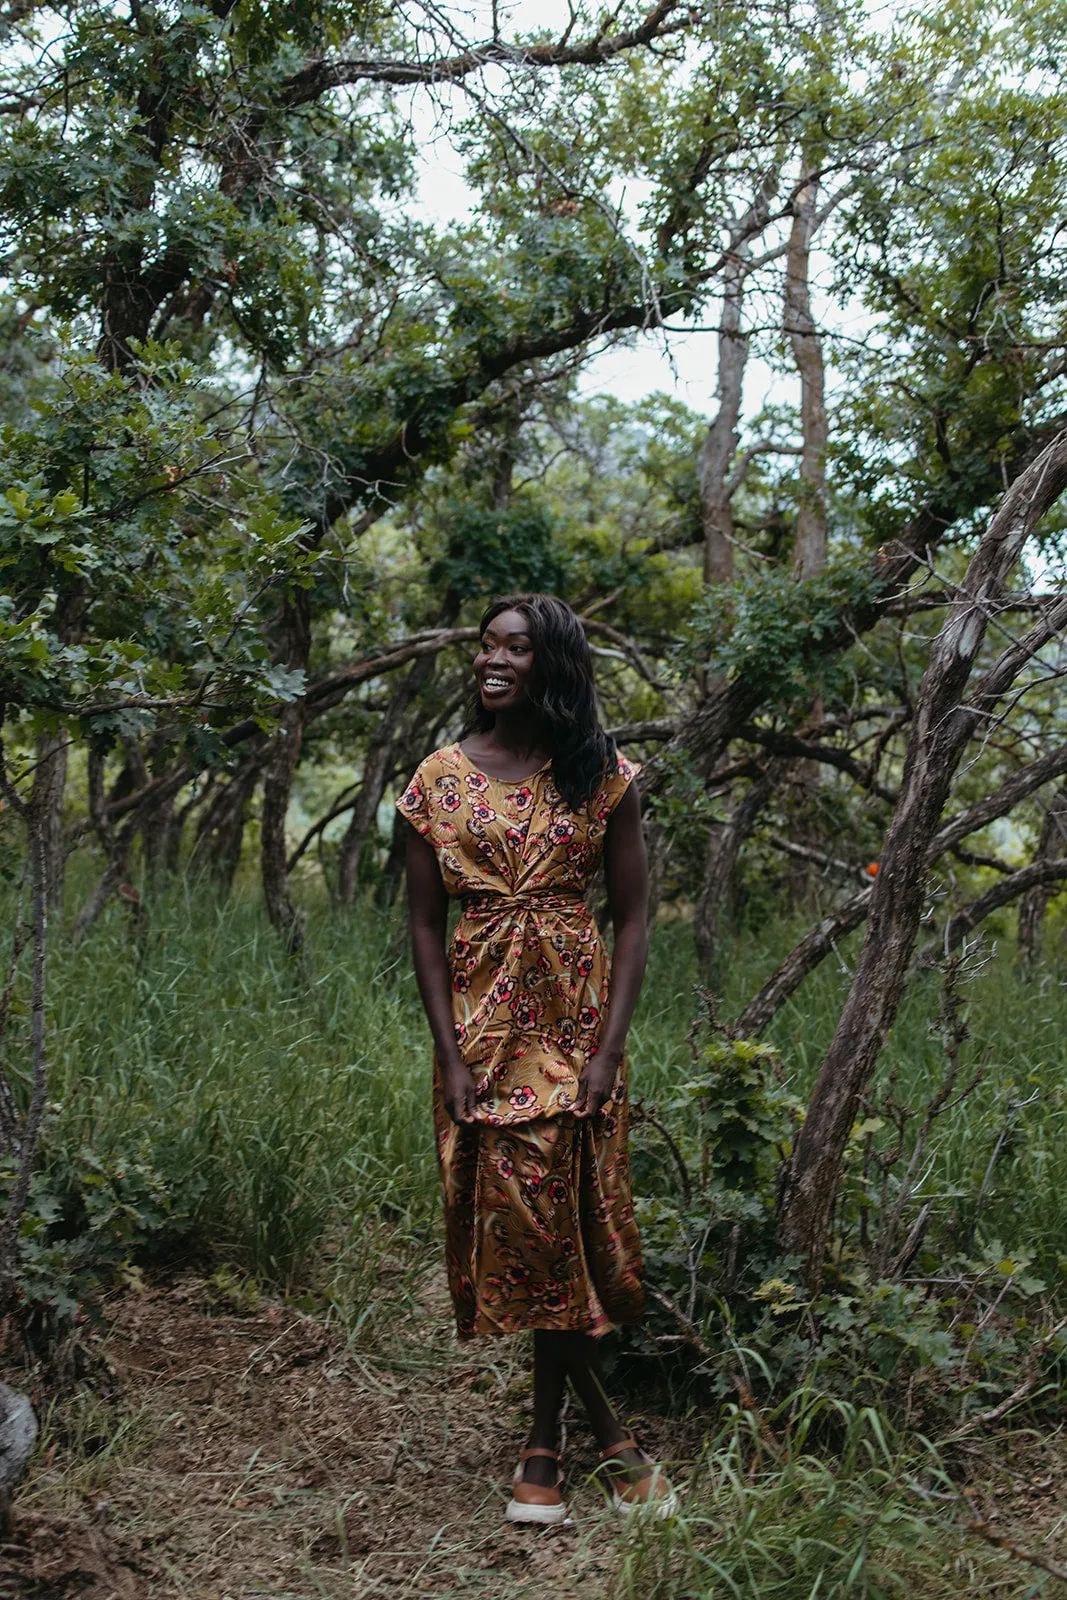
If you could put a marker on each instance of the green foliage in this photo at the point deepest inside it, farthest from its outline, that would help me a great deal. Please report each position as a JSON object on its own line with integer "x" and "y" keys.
{"x": 767, "y": 631}
{"x": 708, "y": 1234}
{"x": 491, "y": 552}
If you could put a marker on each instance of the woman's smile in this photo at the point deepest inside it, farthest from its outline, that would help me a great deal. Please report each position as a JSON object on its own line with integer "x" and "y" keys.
{"x": 504, "y": 662}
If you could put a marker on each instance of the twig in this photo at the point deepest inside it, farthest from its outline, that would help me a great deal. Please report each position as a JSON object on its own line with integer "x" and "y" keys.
{"x": 1035, "y": 1559}
{"x": 640, "y": 1113}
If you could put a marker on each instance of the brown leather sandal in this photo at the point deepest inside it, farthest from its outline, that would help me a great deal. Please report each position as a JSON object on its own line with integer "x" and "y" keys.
{"x": 532, "y": 1502}
{"x": 653, "y": 1493}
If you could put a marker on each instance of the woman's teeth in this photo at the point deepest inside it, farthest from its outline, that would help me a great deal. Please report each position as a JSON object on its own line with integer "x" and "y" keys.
{"x": 496, "y": 683}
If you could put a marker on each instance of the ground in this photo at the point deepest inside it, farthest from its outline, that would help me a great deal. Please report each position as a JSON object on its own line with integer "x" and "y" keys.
{"x": 227, "y": 1448}
{"x": 246, "y": 1454}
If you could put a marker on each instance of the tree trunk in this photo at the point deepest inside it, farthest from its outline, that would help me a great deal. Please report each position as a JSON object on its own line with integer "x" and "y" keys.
{"x": 1051, "y": 843}
{"x": 825, "y": 935}
{"x": 716, "y": 908}
{"x": 36, "y": 814}
{"x": 809, "y": 551}
{"x": 294, "y": 635}
{"x": 220, "y": 829}
{"x": 809, "y": 555}
{"x": 376, "y": 766}
{"x": 939, "y": 734}
{"x": 721, "y": 440}
{"x": 49, "y": 786}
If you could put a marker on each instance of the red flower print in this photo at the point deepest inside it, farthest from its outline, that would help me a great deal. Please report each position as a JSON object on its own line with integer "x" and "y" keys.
{"x": 588, "y": 1018}
{"x": 500, "y": 1072}
{"x": 609, "y": 1126}
{"x": 504, "y": 987}
{"x": 566, "y": 958}
{"x": 531, "y": 1187}
{"x": 567, "y": 1247}
{"x": 412, "y": 797}
{"x": 461, "y": 948}
{"x": 576, "y": 852}
{"x": 557, "y": 1192}
{"x": 482, "y": 812}
{"x": 461, "y": 1032}
{"x": 522, "y": 1098}
{"x": 516, "y": 837}
{"x": 555, "y": 1299}
{"x": 484, "y": 847}
{"x": 561, "y": 831}
{"x": 519, "y": 1274}
{"x": 478, "y": 782}
{"x": 556, "y": 1071}
{"x": 505, "y": 1167}
{"x": 521, "y": 798}
{"x": 460, "y": 982}
{"x": 567, "y": 1033}
{"x": 584, "y": 964}
{"x": 526, "y": 1011}
{"x": 450, "y": 801}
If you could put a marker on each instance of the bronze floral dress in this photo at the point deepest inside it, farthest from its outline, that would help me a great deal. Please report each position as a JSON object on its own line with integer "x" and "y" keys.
{"x": 539, "y": 1220}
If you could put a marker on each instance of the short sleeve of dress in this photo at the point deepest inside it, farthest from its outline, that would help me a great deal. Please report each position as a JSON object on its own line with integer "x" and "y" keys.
{"x": 414, "y": 803}
{"x": 615, "y": 786}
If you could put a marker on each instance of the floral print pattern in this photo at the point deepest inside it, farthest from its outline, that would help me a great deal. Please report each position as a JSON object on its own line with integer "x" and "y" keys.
{"x": 538, "y": 1210}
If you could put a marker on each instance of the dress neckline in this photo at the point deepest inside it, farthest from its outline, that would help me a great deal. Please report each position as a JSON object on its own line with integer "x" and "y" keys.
{"x": 504, "y": 782}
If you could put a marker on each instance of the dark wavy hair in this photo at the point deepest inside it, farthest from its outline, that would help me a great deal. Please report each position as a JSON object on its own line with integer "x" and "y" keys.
{"x": 562, "y": 693}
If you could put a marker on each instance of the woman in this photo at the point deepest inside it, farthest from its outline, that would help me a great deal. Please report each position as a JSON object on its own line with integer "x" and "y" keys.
{"x": 530, "y": 1103}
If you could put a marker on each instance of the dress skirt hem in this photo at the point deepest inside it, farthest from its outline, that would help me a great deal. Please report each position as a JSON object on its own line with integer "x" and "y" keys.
{"x": 539, "y": 1223}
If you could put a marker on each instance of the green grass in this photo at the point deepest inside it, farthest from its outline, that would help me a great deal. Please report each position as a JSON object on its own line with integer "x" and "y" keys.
{"x": 235, "y": 1108}
{"x": 765, "y": 1516}
{"x": 286, "y": 1108}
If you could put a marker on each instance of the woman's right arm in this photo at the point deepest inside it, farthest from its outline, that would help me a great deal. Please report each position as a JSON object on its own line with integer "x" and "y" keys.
{"x": 428, "y": 911}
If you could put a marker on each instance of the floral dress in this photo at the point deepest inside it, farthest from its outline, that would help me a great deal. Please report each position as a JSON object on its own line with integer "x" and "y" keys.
{"x": 539, "y": 1220}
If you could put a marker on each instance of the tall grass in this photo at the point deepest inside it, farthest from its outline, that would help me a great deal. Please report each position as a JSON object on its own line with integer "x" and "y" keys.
{"x": 876, "y": 1521}
{"x": 282, "y": 1111}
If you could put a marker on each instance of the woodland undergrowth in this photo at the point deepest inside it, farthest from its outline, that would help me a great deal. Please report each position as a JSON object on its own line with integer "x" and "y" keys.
{"x": 268, "y": 1124}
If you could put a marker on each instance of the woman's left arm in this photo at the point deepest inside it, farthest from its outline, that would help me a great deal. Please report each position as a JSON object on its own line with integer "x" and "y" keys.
{"x": 626, "y": 874}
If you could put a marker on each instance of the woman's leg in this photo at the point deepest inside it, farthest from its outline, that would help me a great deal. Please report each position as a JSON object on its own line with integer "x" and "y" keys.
{"x": 586, "y": 1372}
{"x": 550, "y": 1377}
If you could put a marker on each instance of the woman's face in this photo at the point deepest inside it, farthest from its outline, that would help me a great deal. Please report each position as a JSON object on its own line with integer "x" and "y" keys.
{"x": 504, "y": 664}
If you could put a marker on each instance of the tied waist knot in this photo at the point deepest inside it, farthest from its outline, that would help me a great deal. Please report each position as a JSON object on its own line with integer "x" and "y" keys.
{"x": 492, "y": 904}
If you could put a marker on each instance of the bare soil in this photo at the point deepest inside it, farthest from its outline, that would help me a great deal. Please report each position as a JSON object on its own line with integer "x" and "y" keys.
{"x": 244, "y": 1453}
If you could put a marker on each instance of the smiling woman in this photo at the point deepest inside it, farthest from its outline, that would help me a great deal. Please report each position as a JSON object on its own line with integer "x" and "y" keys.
{"x": 529, "y": 1022}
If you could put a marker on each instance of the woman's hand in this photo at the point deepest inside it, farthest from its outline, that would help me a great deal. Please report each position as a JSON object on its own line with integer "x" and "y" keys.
{"x": 595, "y": 1086}
{"x": 458, "y": 1088}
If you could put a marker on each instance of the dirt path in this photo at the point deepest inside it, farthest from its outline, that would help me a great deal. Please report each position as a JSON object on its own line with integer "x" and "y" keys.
{"x": 250, "y": 1456}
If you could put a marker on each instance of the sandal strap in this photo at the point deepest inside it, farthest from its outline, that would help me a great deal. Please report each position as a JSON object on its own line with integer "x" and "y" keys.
{"x": 629, "y": 1443}
{"x": 552, "y": 1455}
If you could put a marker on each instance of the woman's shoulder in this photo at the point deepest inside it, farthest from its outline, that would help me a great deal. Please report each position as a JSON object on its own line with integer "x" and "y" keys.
{"x": 436, "y": 772}
{"x": 617, "y": 778}
{"x": 448, "y": 758}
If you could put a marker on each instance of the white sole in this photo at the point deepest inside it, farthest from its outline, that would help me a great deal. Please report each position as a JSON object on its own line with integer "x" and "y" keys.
{"x": 545, "y": 1516}
{"x": 667, "y": 1505}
